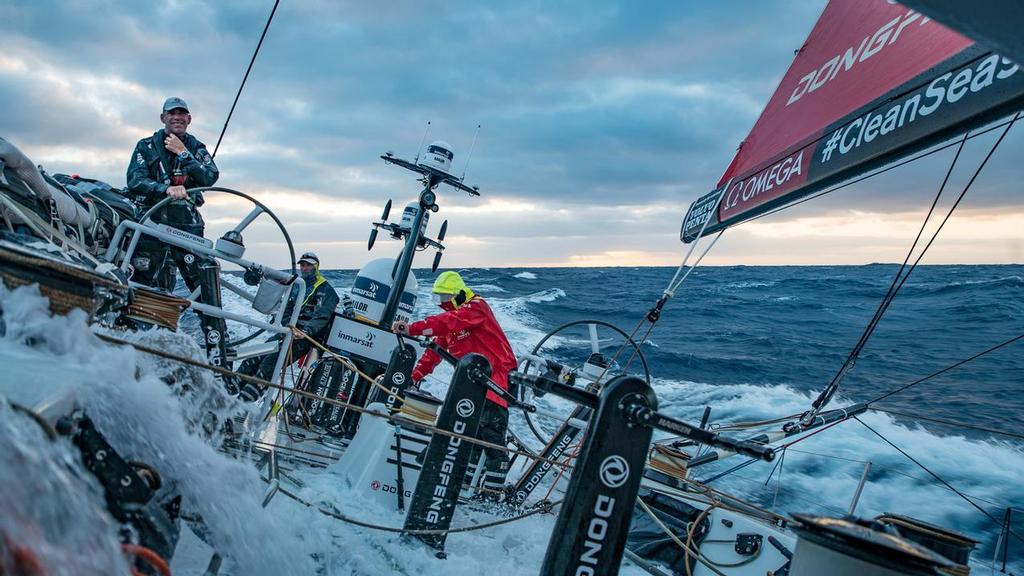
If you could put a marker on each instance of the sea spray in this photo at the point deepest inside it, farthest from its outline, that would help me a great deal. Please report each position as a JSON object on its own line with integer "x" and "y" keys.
{"x": 146, "y": 419}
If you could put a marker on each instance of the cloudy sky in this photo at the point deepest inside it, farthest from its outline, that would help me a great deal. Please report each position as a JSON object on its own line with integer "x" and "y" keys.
{"x": 601, "y": 122}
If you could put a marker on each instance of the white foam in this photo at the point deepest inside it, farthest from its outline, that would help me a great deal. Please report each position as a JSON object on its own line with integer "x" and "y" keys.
{"x": 525, "y": 276}
{"x": 50, "y": 507}
{"x": 145, "y": 419}
{"x": 823, "y": 482}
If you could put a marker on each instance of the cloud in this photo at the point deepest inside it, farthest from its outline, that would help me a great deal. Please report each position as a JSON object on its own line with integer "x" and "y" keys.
{"x": 601, "y": 121}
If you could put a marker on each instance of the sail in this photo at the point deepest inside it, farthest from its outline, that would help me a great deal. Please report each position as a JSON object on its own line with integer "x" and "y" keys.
{"x": 875, "y": 81}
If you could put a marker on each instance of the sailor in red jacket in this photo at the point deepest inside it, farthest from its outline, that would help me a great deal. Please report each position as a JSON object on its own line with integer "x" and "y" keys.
{"x": 467, "y": 325}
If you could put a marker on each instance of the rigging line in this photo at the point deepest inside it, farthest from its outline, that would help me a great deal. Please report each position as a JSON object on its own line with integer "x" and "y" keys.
{"x": 872, "y": 174}
{"x": 333, "y": 401}
{"x": 952, "y": 423}
{"x": 244, "y": 78}
{"x": 824, "y": 399}
{"x": 543, "y": 508}
{"x": 735, "y": 468}
{"x": 946, "y": 369}
{"x": 939, "y": 478}
{"x": 758, "y": 487}
{"x": 674, "y": 285}
{"x": 785, "y": 446}
{"x": 669, "y": 293}
{"x": 696, "y": 239}
{"x": 890, "y": 294}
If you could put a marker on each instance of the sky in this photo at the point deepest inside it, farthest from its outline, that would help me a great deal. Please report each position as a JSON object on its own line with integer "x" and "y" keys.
{"x": 601, "y": 122}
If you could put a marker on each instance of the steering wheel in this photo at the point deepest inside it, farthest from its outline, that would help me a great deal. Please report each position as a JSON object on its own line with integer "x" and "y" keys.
{"x": 580, "y": 347}
{"x": 258, "y": 209}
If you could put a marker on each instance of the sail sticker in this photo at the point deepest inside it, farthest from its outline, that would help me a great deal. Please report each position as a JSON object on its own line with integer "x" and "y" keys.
{"x": 698, "y": 214}
{"x": 945, "y": 90}
{"x": 874, "y": 82}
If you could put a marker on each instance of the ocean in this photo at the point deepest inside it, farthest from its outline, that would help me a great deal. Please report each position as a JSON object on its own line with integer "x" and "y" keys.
{"x": 760, "y": 342}
{"x": 751, "y": 342}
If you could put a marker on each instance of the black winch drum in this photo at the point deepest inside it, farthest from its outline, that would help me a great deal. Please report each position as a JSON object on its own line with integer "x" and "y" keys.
{"x": 840, "y": 547}
{"x": 952, "y": 545}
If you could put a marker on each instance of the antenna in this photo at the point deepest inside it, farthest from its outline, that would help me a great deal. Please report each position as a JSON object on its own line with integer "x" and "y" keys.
{"x": 471, "y": 149}
{"x": 422, "y": 140}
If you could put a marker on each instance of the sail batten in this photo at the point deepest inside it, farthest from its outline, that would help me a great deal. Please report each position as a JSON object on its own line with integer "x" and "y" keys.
{"x": 874, "y": 82}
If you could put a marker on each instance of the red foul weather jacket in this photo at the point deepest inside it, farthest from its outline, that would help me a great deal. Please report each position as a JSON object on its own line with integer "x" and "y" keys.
{"x": 467, "y": 329}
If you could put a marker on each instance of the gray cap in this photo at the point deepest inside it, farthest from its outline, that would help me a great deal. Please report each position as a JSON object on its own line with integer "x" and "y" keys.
{"x": 310, "y": 258}
{"x": 174, "y": 102}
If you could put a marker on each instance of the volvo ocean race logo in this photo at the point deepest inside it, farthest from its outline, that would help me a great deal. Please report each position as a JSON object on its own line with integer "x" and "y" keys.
{"x": 465, "y": 408}
{"x": 614, "y": 471}
{"x": 398, "y": 378}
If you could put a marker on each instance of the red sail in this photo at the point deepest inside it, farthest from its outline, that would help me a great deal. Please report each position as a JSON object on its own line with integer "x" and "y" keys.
{"x": 875, "y": 81}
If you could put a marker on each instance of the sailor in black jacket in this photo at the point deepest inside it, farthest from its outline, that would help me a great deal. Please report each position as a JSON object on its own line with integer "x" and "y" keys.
{"x": 165, "y": 165}
{"x": 315, "y": 315}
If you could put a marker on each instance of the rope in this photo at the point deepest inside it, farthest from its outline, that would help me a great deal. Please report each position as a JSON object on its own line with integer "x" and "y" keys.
{"x": 940, "y": 479}
{"x": 333, "y": 401}
{"x": 377, "y": 381}
{"x": 890, "y": 294}
{"x": 151, "y": 557}
{"x": 673, "y": 285}
{"x": 752, "y": 424}
{"x": 742, "y": 465}
{"x": 721, "y": 499}
{"x": 949, "y": 423}
{"x": 947, "y": 369}
{"x": 244, "y": 78}
{"x": 323, "y": 455}
{"x": 543, "y": 508}
{"x": 830, "y": 390}
{"x": 685, "y": 546}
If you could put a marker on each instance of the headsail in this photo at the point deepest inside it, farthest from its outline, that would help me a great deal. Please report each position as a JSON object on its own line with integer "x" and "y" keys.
{"x": 875, "y": 81}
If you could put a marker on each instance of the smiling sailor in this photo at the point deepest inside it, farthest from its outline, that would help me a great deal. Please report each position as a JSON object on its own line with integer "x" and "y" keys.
{"x": 466, "y": 326}
{"x": 165, "y": 165}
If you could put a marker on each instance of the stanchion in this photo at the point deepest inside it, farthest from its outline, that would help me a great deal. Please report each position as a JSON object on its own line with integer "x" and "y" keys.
{"x": 215, "y": 330}
{"x": 590, "y": 534}
{"x": 447, "y": 457}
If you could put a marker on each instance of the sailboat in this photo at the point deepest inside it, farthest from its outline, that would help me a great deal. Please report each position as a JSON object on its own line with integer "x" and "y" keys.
{"x": 874, "y": 83}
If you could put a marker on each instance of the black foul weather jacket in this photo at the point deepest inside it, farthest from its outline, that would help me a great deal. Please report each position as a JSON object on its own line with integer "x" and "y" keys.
{"x": 152, "y": 171}
{"x": 317, "y": 310}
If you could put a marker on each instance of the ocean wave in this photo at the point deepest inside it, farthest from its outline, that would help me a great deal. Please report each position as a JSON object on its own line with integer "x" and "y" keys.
{"x": 488, "y": 288}
{"x": 525, "y": 276}
{"x": 748, "y": 284}
{"x": 1010, "y": 282}
{"x": 549, "y": 295}
{"x": 826, "y": 467}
